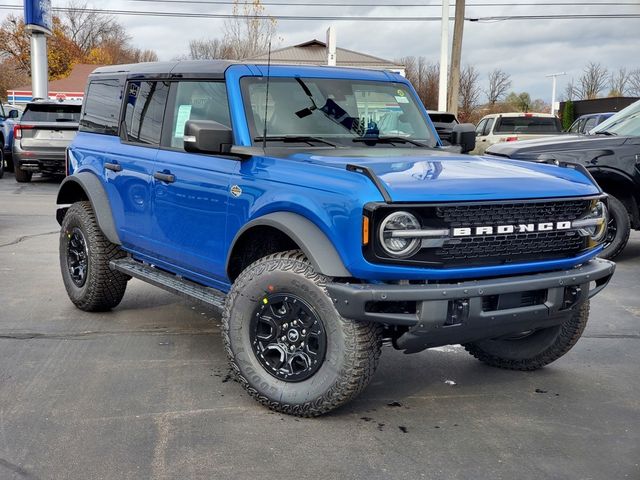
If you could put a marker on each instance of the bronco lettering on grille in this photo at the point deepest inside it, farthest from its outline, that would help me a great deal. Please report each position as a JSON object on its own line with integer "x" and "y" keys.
{"x": 507, "y": 229}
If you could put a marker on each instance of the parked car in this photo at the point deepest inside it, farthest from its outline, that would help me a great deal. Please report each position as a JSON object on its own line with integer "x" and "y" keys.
{"x": 611, "y": 153}
{"x": 41, "y": 137}
{"x": 9, "y": 114}
{"x": 584, "y": 123}
{"x": 444, "y": 122}
{"x": 511, "y": 127}
{"x": 269, "y": 193}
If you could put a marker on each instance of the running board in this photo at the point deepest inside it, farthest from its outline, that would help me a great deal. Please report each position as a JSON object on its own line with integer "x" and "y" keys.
{"x": 170, "y": 282}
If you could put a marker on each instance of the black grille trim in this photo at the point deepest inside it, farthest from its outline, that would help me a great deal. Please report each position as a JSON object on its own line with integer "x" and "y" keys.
{"x": 487, "y": 250}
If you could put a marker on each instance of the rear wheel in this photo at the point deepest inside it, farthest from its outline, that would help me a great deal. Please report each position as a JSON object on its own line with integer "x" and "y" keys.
{"x": 85, "y": 254}
{"x": 618, "y": 229}
{"x": 287, "y": 344}
{"x": 22, "y": 176}
{"x": 532, "y": 350}
{"x": 1, "y": 163}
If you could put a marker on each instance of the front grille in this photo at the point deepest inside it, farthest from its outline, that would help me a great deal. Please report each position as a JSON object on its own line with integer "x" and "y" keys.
{"x": 498, "y": 249}
{"x": 511, "y": 213}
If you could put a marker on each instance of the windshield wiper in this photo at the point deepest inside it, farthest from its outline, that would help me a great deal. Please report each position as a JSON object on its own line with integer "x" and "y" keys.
{"x": 390, "y": 140}
{"x": 606, "y": 132}
{"x": 295, "y": 139}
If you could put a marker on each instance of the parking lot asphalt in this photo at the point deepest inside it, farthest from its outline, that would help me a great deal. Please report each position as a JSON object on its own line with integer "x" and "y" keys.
{"x": 143, "y": 392}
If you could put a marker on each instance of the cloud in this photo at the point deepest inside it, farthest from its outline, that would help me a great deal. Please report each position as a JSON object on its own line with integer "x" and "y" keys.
{"x": 525, "y": 49}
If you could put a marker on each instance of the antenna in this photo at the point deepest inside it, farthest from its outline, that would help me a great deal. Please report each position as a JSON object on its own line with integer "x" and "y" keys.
{"x": 266, "y": 100}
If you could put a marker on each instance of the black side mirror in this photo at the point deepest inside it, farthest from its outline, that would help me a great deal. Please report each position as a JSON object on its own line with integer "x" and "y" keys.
{"x": 13, "y": 113}
{"x": 464, "y": 135}
{"x": 207, "y": 136}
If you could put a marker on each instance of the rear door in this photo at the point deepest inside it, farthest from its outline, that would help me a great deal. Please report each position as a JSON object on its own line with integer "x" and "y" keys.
{"x": 124, "y": 152}
{"x": 191, "y": 191}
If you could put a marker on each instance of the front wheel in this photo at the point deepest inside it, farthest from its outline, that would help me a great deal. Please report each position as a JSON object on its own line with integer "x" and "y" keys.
{"x": 288, "y": 345}
{"x": 618, "y": 229}
{"x": 1, "y": 163}
{"x": 532, "y": 350}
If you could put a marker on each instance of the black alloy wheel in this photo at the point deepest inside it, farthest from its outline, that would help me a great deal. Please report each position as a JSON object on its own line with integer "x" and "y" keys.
{"x": 77, "y": 257}
{"x": 288, "y": 337}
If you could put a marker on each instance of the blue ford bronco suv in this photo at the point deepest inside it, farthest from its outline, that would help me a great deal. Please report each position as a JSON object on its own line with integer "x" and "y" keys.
{"x": 318, "y": 210}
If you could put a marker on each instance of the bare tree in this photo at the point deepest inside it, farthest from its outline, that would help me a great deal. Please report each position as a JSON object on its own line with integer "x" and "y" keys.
{"x": 593, "y": 81}
{"x": 499, "y": 84}
{"x": 143, "y": 55}
{"x": 469, "y": 92}
{"x": 633, "y": 86}
{"x": 423, "y": 75}
{"x": 209, "y": 49}
{"x": 618, "y": 81}
{"x": 251, "y": 34}
{"x": 89, "y": 29}
{"x": 571, "y": 91}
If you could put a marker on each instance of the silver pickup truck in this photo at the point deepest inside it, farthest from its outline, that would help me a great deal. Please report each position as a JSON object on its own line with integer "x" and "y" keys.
{"x": 42, "y": 136}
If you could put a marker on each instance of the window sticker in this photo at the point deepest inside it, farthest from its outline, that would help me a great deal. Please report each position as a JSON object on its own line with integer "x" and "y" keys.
{"x": 402, "y": 99}
{"x": 184, "y": 112}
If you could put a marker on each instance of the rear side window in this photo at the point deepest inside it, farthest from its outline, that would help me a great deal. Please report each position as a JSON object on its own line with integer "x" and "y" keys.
{"x": 526, "y": 125}
{"x": 144, "y": 111}
{"x": 45, "y": 112}
{"x": 102, "y": 107}
{"x": 197, "y": 100}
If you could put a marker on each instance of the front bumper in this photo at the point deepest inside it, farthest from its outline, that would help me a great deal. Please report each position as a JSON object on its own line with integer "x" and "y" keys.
{"x": 442, "y": 314}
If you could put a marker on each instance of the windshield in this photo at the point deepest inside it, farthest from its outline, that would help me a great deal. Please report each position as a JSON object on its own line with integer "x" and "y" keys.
{"x": 624, "y": 123}
{"x": 528, "y": 124}
{"x": 51, "y": 113}
{"x": 338, "y": 111}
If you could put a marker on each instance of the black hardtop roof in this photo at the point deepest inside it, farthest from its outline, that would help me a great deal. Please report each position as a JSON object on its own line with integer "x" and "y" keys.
{"x": 173, "y": 68}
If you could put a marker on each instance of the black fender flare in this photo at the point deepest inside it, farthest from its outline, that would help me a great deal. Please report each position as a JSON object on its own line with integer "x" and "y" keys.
{"x": 306, "y": 234}
{"x": 93, "y": 189}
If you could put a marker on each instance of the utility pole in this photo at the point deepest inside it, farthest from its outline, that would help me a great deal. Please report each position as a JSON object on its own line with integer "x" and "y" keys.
{"x": 39, "y": 23}
{"x": 456, "y": 54}
{"x": 554, "y": 76}
{"x": 444, "y": 57}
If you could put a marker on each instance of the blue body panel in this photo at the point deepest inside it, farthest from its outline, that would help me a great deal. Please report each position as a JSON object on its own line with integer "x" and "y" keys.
{"x": 188, "y": 226}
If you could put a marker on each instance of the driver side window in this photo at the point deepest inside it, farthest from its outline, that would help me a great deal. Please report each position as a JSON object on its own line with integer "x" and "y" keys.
{"x": 480, "y": 127}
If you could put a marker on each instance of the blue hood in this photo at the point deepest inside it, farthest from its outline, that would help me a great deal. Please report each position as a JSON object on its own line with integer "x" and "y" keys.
{"x": 425, "y": 176}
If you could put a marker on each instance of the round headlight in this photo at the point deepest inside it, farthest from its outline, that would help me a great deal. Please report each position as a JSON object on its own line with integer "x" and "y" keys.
{"x": 597, "y": 218}
{"x": 395, "y": 235}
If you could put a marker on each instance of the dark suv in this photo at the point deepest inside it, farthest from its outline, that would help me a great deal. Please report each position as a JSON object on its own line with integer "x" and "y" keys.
{"x": 611, "y": 153}
{"x": 318, "y": 210}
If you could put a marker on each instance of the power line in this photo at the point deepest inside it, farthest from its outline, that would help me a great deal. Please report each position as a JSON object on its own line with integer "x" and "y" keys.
{"x": 338, "y": 18}
{"x": 323, "y": 4}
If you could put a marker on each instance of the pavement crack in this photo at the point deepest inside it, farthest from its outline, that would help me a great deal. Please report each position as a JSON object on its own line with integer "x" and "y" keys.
{"x": 17, "y": 469}
{"x": 96, "y": 334}
{"x": 26, "y": 237}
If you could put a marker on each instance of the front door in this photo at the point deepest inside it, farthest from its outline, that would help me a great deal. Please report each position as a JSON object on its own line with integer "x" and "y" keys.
{"x": 191, "y": 191}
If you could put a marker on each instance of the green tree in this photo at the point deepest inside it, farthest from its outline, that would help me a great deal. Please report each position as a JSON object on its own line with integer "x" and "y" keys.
{"x": 520, "y": 102}
{"x": 567, "y": 115}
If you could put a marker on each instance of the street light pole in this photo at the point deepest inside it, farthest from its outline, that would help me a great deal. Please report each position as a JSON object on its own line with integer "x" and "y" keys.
{"x": 444, "y": 57}
{"x": 554, "y": 77}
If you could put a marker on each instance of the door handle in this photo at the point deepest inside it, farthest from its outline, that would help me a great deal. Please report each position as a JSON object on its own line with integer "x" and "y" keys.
{"x": 165, "y": 177}
{"x": 114, "y": 167}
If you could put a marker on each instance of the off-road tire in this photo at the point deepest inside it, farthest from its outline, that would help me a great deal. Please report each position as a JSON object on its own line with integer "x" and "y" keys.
{"x": 536, "y": 350}
{"x": 623, "y": 229}
{"x": 103, "y": 288}
{"x": 353, "y": 348}
{"x": 22, "y": 176}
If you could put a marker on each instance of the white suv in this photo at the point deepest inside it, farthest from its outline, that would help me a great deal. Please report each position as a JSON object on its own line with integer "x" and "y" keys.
{"x": 510, "y": 127}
